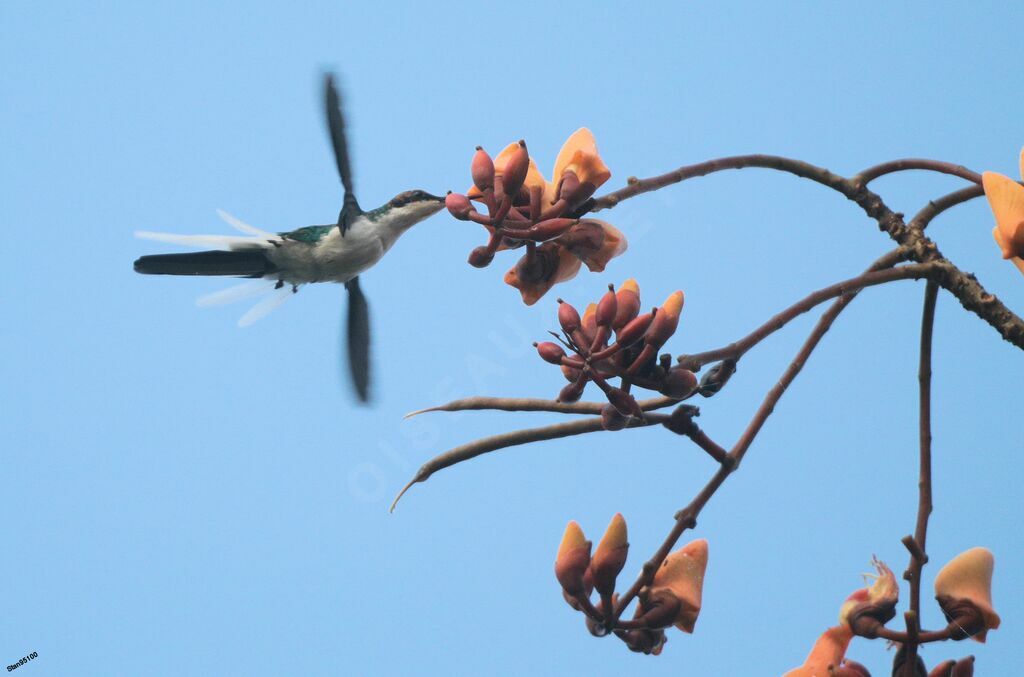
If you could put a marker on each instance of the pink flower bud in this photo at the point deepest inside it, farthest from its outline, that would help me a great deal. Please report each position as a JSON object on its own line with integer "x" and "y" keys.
{"x": 568, "y": 317}
{"x": 628, "y": 297}
{"x": 481, "y": 257}
{"x": 482, "y": 169}
{"x": 666, "y": 320}
{"x": 606, "y": 309}
{"x": 515, "y": 170}
{"x": 610, "y": 556}
{"x": 624, "y": 402}
{"x": 572, "y": 560}
{"x": 679, "y": 383}
{"x": 550, "y": 352}
{"x": 458, "y": 206}
{"x": 572, "y": 392}
{"x": 634, "y": 330}
{"x": 611, "y": 419}
{"x": 569, "y": 186}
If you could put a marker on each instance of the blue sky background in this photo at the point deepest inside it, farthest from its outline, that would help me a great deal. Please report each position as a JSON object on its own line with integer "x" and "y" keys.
{"x": 183, "y": 496}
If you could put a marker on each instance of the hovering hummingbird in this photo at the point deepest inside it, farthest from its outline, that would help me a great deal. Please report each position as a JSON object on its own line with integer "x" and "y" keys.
{"x": 331, "y": 253}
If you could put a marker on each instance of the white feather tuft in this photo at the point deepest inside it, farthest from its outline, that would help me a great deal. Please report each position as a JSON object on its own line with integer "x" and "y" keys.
{"x": 225, "y": 242}
{"x": 265, "y": 307}
{"x": 238, "y": 292}
{"x": 243, "y": 227}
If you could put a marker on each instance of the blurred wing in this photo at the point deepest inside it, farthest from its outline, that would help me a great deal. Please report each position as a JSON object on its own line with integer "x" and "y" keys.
{"x": 358, "y": 335}
{"x": 336, "y": 125}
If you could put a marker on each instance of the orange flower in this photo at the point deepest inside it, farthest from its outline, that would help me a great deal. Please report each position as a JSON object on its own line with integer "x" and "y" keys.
{"x": 682, "y": 574}
{"x": 963, "y": 589}
{"x": 579, "y": 171}
{"x": 827, "y": 655}
{"x": 1006, "y": 198}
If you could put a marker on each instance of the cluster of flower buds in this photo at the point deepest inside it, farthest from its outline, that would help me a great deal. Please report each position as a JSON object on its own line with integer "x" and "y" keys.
{"x": 963, "y": 589}
{"x": 613, "y": 339}
{"x": 672, "y": 599}
{"x": 523, "y": 209}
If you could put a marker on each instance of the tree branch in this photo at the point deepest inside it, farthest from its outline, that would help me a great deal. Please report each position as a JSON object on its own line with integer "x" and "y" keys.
{"x": 515, "y": 438}
{"x": 916, "y": 543}
{"x": 871, "y": 173}
{"x": 535, "y": 404}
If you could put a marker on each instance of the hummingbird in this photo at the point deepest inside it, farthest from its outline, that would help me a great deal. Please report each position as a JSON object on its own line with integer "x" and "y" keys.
{"x": 339, "y": 252}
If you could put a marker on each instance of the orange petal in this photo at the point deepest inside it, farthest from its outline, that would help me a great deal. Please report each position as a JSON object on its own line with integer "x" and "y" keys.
{"x": 1006, "y": 198}
{"x": 682, "y": 572}
{"x": 969, "y": 576}
{"x": 579, "y": 154}
{"x": 595, "y": 243}
{"x": 1015, "y": 260}
{"x": 827, "y": 653}
{"x": 550, "y": 265}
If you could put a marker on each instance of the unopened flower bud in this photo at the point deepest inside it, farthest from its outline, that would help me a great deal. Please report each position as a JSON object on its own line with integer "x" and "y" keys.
{"x": 570, "y": 373}
{"x": 628, "y": 297}
{"x": 606, "y": 309}
{"x": 568, "y": 317}
{"x": 569, "y": 186}
{"x": 458, "y": 206}
{"x": 634, "y": 330}
{"x": 610, "y": 556}
{"x": 572, "y": 392}
{"x": 716, "y": 377}
{"x": 515, "y": 170}
{"x": 964, "y": 667}
{"x": 944, "y": 669}
{"x": 649, "y": 642}
{"x": 589, "y": 322}
{"x": 900, "y": 660}
{"x": 678, "y": 383}
{"x": 550, "y": 352}
{"x": 611, "y": 419}
{"x": 666, "y": 320}
{"x": 480, "y": 257}
{"x": 482, "y": 169}
{"x": 624, "y": 402}
{"x": 573, "y": 559}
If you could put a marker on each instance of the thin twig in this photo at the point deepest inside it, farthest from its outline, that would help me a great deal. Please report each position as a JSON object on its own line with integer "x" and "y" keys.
{"x": 515, "y": 438}
{"x": 936, "y": 207}
{"x": 871, "y": 173}
{"x": 535, "y": 404}
{"x": 916, "y": 544}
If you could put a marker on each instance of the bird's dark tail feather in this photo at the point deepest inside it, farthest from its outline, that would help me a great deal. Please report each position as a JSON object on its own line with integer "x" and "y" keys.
{"x": 240, "y": 263}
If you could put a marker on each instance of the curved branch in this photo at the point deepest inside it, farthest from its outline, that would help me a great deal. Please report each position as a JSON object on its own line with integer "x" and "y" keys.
{"x": 535, "y": 404}
{"x": 936, "y": 207}
{"x": 969, "y": 292}
{"x": 871, "y": 173}
{"x": 505, "y": 440}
